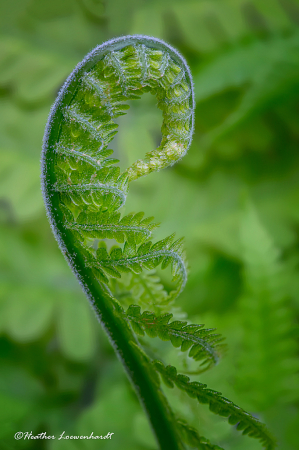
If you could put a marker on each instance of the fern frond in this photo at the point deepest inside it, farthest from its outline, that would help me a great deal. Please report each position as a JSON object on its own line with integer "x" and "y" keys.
{"x": 144, "y": 289}
{"x": 104, "y": 188}
{"x": 83, "y": 192}
{"x": 201, "y": 343}
{"x": 134, "y": 258}
{"x": 264, "y": 306}
{"x": 192, "y": 438}
{"x": 105, "y": 225}
{"x": 218, "y": 404}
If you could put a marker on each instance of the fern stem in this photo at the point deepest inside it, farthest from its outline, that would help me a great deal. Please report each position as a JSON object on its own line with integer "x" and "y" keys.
{"x": 121, "y": 338}
{"x": 150, "y": 395}
{"x": 140, "y": 373}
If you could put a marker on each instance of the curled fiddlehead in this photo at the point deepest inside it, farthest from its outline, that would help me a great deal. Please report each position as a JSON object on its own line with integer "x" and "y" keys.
{"x": 84, "y": 191}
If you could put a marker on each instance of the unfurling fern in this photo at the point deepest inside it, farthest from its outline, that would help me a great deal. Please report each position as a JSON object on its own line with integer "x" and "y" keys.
{"x": 84, "y": 191}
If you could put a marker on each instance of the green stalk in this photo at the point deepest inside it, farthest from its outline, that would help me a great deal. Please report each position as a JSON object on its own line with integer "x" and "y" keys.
{"x": 117, "y": 329}
{"x": 139, "y": 370}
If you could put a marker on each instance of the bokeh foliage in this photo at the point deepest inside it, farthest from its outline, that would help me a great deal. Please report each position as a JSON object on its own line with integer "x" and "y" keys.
{"x": 234, "y": 197}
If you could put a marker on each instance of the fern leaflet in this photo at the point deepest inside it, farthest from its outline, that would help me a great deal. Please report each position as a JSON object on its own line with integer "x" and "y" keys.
{"x": 218, "y": 404}
{"x": 201, "y": 343}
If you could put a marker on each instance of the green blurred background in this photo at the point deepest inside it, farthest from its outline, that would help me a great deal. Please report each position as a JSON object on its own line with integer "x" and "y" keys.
{"x": 235, "y": 198}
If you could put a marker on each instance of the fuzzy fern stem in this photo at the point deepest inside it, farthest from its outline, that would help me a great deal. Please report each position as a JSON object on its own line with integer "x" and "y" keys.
{"x": 65, "y": 197}
{"x": 125, "y": 346}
